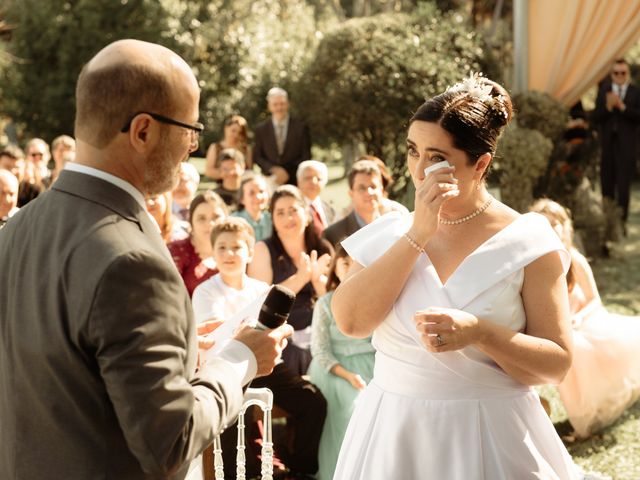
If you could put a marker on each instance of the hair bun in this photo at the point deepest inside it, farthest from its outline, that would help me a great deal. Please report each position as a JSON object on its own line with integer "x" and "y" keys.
{"x": 501, "y": 105}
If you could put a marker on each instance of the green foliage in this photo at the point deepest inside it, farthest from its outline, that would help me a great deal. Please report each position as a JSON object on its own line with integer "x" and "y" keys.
{"x": 523, "y": 156}
{"x": 540, "y": 111}
{"x": 51, "y": 42}
{"x": 239, "y": 49}
{"x": 370, "y": 74}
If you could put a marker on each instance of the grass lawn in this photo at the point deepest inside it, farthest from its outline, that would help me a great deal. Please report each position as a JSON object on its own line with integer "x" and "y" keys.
{"x": 616, "y": 450}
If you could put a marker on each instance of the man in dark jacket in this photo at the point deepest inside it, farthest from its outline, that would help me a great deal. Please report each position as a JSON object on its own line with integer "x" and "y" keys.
{"x": 617, "y": 113}
{"x": 281, "y": 142}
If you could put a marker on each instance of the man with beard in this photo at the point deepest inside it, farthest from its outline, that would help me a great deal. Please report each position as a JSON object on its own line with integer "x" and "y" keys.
{"x": 98, "y": 346}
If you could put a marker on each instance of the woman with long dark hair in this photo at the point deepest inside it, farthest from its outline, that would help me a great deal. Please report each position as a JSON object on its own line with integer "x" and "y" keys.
{"x": 296, "y": 257}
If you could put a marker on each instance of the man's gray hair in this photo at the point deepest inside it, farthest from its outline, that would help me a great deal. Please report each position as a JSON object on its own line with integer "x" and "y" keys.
{"x": 319, "y": 166}
{"x": 277, "y": 92}
{"x": 191, "y": 170}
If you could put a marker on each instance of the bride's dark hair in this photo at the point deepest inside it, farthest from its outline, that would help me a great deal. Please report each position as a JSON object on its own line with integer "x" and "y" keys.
{"x": 474, "y": 111}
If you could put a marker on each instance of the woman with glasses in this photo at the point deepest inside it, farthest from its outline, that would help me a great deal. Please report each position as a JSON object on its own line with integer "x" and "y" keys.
{"x": 235, "y": 135}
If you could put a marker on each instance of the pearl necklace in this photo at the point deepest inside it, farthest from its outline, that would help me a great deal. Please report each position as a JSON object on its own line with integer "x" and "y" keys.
{"x": 466, "y": 218}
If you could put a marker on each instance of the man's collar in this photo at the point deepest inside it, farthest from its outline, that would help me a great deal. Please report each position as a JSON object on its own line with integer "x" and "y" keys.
{"x": 117, "y": 181}
{"x": 284, "y": 121}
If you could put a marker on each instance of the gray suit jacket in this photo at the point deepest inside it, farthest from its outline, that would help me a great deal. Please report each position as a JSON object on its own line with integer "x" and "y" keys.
{"x": 98, "y": 344}
{"x": 341, "y": 229}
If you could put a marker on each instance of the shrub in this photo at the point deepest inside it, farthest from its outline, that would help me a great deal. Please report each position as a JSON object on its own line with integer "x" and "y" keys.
{"x": 370, "y": 74}
{"x": 523, "y": 155}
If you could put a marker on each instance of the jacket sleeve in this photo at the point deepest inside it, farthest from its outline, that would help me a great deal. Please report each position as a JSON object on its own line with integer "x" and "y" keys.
{"x": 140, "y": 331}
{"x": 259, "y": 152}
{"x": 632, "y": 109}
{"x": 306, "y": 142}
{"x": 600, "y": 113}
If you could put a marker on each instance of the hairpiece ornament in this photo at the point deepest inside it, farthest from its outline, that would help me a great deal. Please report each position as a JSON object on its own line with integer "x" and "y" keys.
{"x": 480, "y": 91}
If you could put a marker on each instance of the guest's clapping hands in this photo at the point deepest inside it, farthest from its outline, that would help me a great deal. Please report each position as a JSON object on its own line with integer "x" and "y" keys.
{"x": 446, "y": 329}
{"x": 319, "y": 265}
{"x": 310, "y": 267}
{"x": 436, "y": 188}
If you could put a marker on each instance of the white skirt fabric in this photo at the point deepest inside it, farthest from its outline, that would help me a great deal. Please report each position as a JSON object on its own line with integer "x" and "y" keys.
{"x": 407, "y": 427}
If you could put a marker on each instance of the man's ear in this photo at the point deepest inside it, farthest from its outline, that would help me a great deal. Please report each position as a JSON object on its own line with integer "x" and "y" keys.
{"x": 142, "y": 133}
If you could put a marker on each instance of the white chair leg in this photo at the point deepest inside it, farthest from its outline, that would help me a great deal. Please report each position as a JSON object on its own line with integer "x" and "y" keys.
{"x": 217, "y": 459}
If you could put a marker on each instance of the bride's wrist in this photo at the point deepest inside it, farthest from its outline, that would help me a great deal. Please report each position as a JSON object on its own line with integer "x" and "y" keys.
{"x": 420, "y": 239}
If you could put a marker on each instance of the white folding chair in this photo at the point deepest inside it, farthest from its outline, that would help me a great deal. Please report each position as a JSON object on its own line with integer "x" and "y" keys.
{"x": 262, "y": 398}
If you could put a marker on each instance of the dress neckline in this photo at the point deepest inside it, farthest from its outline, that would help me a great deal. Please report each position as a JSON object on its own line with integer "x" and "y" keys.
{"x": 474, "y": 252}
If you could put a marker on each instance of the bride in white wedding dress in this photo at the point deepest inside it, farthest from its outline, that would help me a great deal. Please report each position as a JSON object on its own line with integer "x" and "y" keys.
{"x": 468, "y": 307}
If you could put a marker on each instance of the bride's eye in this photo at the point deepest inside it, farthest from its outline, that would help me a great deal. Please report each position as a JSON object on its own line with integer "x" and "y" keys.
{"x": 411, "y": 151}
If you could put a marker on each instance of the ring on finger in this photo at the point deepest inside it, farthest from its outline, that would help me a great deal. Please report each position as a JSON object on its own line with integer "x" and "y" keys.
{"x": 439, "y": 340}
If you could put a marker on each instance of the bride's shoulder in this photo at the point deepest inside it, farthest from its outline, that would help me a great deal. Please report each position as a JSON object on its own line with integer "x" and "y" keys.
{"x": 503, "y": 216}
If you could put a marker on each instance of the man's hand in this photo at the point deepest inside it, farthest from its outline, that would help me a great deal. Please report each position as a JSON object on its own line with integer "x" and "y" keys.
{"x": 205, "y": 343}
{"x": 281, "y": 175}
{"x": 612, "y": 100}
{"x": 266, "y": 345}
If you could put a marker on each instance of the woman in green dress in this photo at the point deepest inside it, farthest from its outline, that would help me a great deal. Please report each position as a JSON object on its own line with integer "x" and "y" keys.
{"x": 341, "y": 367}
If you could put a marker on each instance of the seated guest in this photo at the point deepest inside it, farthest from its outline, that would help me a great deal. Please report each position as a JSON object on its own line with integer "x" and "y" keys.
{"x": 230, "y": 290}
{"x": 388, "y": 205}
{"x": 8, "y": 196}
{"x": 231, "y": 166}
{"x": 185, "y": 191}
{"x": 235, "y": 135}
{"x": 38, "y": 154}
{"x": 222, "y": 296}
{"x": 604, "y": 377}
{"x": 12, "y": 159}
{"x": 365, "y": 190}
{"x": 253, "y": 205}
{"x": 294, "y": 256}
{"x": 193, "y": 255}
{"x": 341, "y": 367}
{"x": 171, "y": 228}
{"x": 60, "y": 148}
{"x": 312, "y": 177}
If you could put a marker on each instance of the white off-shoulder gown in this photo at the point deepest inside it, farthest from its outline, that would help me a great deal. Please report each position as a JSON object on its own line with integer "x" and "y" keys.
{"x": 452, "y": 415}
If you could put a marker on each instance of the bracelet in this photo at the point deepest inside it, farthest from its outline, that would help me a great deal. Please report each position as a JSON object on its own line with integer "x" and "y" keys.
{"x": 414, "y": 244}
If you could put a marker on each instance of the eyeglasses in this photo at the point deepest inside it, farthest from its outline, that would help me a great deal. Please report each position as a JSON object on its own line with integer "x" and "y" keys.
{"x": 619, "y": 72}
{"x": 196, "y": 129}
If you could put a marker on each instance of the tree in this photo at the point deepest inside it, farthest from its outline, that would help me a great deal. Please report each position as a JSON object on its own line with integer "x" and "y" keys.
{"x": 239, "y": 49}
{"x": 50, "y": 44}
{"x": 370, "y": 74}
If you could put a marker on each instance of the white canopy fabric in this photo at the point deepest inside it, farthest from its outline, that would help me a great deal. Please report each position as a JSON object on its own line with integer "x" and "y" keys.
{"x": 572, "y": 43}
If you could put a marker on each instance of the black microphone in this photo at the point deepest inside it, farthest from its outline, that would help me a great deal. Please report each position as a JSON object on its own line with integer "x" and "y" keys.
{"x": 276, "y": 307}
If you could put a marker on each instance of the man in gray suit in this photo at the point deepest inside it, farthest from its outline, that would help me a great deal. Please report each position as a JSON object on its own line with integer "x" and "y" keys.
{"x": 98, "y": 345}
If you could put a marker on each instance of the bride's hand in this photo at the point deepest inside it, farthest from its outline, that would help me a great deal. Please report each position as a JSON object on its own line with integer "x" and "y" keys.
{"x": 446, "y": 329}
{"x": 438, "y": 187}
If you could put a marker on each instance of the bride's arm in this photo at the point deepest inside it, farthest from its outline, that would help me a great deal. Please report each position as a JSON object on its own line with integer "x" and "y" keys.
{"x": 362, "y": 301}
{"x": 543, "y": 353}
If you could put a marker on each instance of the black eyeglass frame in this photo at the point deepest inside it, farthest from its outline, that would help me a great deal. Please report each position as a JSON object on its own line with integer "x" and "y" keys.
{"x": 196, "y": 127}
